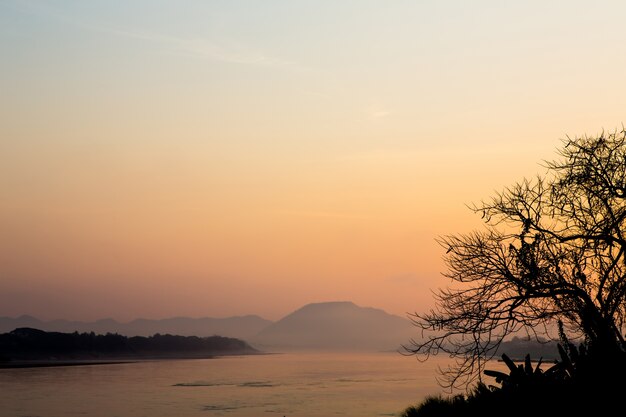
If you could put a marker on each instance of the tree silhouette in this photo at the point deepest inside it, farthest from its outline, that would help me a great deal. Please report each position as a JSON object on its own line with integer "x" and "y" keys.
{"x": 552, "y": 252}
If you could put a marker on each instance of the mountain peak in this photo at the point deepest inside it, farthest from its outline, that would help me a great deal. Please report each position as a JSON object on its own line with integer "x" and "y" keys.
{"x": 336, "y": 325}
{"x": 328, "y": 305}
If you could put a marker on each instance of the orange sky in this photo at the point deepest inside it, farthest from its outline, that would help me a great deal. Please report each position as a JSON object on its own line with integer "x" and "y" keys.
{"x": 217, "y": 159}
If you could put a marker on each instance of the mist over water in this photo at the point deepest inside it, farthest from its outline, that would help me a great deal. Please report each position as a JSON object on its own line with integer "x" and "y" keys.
{"x": 294, "y": 384}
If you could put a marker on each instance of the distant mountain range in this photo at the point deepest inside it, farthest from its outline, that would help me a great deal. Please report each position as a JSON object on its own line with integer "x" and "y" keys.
{"x": 243, "y": 327}
{"x": 318, "y": 326}
{"x": 328, "y": 326}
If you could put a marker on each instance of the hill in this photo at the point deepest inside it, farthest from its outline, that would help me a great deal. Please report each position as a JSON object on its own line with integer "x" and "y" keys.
{"x": 336, "y": 326}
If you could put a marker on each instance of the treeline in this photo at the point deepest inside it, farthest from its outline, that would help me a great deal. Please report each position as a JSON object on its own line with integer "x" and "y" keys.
{"x": 518, "y": 348}
{"x": 33, "y": 344}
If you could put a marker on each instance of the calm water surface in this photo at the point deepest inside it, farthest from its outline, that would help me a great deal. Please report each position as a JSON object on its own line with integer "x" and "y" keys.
{"x": 307, "y": 385}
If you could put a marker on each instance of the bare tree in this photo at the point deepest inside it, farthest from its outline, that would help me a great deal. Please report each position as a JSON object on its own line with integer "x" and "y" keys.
{"x": 552, "y": 251}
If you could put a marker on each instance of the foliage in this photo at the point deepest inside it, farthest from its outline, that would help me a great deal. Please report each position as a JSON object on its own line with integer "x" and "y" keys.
{"x": 28, "y": 344}
{"x": 571, "y": 386}
{"x": 519, "y": 375}
{"x": 553, "y": 250}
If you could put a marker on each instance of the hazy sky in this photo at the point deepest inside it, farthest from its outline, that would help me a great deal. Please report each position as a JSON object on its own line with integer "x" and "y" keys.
{"x": 218, "y": 158}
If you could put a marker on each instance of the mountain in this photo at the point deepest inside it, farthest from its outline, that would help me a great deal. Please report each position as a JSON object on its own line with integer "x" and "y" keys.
{"x": 318, "y": 326}
{"x": 241, "y": 327}
{"x": 336, "y": 326}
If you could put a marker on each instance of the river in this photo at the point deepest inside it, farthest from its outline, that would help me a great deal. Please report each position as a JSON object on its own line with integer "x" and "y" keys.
{"x": 291, "y": 384}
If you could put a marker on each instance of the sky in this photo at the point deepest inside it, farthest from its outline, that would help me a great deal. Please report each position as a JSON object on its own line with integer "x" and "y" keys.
{"x": 220, "y": 158}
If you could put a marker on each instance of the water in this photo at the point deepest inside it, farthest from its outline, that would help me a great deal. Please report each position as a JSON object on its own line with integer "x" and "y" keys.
{"x": 311, "y": 385}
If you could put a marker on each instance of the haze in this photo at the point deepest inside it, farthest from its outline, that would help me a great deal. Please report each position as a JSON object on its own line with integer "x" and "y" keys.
{"x": 225, "y": 158}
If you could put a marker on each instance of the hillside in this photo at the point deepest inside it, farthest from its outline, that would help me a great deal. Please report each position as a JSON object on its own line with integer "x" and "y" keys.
{"x": 336, "y": 325}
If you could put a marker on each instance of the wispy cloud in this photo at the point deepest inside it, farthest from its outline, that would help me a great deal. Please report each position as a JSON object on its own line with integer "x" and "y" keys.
{"x": 378, "y": 113}
{"x": 228, "y": 51}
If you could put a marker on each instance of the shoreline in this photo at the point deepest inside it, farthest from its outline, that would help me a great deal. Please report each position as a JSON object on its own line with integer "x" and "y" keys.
{"x": 49, "y": 363}
{"x": 59, "y": 363}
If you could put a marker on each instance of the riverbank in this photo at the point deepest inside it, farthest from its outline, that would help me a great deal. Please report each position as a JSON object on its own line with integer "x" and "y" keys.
{"x": 47, "y": 362}
{"x": 51, "y": 363}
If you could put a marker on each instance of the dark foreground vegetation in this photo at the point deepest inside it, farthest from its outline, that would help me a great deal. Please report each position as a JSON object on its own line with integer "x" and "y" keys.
{"x": 26, "y": 344}
{"x": 578, "y": 384}
{"x": 550, "y": 259}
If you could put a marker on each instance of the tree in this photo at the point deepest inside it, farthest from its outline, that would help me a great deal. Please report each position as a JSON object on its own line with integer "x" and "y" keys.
{"x": 553, "y": 251}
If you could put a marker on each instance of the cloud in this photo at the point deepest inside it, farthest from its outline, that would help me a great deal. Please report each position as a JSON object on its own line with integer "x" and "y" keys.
{"x": 225, "y": 51}
{"x": 204, "y": 48}
{"x": 377, "y": 113}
